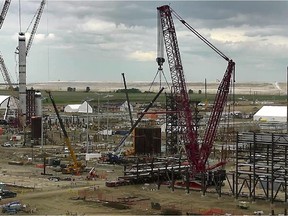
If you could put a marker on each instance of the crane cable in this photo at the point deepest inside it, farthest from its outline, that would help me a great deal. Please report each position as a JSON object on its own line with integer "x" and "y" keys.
{"x": 200, "y": 36}
{"x": 20, "y": 21}
{"x": 32, "y": 21}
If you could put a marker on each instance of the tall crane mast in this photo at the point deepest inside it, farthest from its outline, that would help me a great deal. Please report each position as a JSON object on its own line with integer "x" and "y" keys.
{"x": 35, "y": 26}
{"x": 187, "y": 130}
{"x": 23, "y": 50}
{"x": 4, "y": 12}
{"x": 197, "y": 156}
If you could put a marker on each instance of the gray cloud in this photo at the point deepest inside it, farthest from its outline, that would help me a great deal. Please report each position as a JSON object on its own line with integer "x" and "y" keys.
{"x": 110, "y": 37}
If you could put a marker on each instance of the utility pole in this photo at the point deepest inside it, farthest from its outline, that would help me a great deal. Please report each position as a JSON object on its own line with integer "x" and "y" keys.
{"x": 98, "y": 118}
{"x": 107, "y": 119}
{"x": 287, "y": 100}
{"x": 87, "y": 134}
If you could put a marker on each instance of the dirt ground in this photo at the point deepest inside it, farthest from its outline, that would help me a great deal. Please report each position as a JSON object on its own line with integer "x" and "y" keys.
{"x": 91, "y": 197}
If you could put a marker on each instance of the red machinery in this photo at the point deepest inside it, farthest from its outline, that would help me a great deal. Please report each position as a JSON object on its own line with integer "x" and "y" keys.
{"x": 197, "y": 153}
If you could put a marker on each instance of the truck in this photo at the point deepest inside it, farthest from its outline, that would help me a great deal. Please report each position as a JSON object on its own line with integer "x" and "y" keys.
{"x": 7, "y": 194}
{"x": 12, "y": 207}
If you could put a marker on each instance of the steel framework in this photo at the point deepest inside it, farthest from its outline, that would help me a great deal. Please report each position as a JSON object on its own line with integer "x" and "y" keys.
{"x": 262, "y": 166}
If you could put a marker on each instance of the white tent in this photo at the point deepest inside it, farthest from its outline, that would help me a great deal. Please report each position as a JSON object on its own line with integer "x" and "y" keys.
{"x": 8, "y": 101}
{"x": 85, "y": 107}
{"x": 82, "y": 108}
{"x": 124, "y": 107}
{"x": 9, "y": 105}
{"x": 271, "y": 113}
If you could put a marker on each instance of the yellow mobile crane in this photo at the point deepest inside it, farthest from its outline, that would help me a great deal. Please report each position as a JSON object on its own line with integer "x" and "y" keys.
{"x": 77, "y": 167}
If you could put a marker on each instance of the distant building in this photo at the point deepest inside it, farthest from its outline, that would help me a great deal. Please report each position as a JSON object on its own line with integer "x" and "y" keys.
{"x": 124, "y": 107}
{"x": 8, "y": 106}
{"x": 271, "y": 114}
{"x": 78, "y": 108}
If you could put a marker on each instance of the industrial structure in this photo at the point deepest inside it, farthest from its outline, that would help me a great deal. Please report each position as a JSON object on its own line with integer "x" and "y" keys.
{"x": 261, "y": 167}
{"x": 4, "y": 12}
{"x": 260, "y": 158}
{"x": 23, "y": 51}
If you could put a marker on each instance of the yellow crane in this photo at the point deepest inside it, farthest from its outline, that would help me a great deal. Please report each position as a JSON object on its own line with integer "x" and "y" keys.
{"x": 77, "y": 167}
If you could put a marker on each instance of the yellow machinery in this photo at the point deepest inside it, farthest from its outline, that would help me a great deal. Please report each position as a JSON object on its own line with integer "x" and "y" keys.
{"x": 77, "y": 167}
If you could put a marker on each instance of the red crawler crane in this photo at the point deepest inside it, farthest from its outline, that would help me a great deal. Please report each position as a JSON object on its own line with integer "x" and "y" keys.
{"x": 197, "y": 153}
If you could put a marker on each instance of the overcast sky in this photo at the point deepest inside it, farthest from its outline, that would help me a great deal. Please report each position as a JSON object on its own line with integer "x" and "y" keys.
{"x": 99, "y": 40}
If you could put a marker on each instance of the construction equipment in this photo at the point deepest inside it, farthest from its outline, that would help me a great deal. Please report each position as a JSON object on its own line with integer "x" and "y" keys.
{"x": 197, "y": 152}
{"x": 92, "y": 174}
{"x": 3, "y": 67}
{"x": 35, "y": 26}
{"x": 5, "y": 73}
{"x": 77, "y": 167}
{"x": 115, "y": 156}
{"x": 243, "y": 205}
{"x": 128, "y": 101}
{"x": 4, "y": 12}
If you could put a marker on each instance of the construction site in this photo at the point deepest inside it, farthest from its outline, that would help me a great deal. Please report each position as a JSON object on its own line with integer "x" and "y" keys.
{"x": 180, "y": 156}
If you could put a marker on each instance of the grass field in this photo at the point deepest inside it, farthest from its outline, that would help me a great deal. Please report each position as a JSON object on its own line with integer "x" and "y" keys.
{"x": 65, "y": 97}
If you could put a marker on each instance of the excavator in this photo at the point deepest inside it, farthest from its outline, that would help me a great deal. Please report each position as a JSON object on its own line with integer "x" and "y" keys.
{"x": 76, "y": 168}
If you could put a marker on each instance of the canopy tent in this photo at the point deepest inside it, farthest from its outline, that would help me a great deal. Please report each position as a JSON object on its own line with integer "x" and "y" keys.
{"x": 81, "y": 108}
{"x": 271, "y": 113}
{"x": 72, "y": 108}
{"x": 8, "y": 102}
{"x": 8, "y": 106}
{"x": 85, "y": 107}
{"x": 124, "y": 107}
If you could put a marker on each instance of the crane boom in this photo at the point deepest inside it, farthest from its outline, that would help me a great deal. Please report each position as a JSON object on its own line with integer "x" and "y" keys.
{"x": 5, "y": 73}
{"x": 35, "y": 26}
{"x": 197, "y": 156}
{"x": 215, "y": 116}
{"x": 118, "y": 147}
{"x": 4, "y": 12}
{"x": 188, "y": 135}
{"x": 127, "y": 98}
{"x": 76, "y": 165}
{"x": 219, "y": 102}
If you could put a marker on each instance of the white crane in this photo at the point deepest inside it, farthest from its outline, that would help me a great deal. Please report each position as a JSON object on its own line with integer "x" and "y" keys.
{"x": 35, "y": 26}
{"x": 4, "y": 12}
{"x": 3, "y": 67}
{"x": 5, "y": 73}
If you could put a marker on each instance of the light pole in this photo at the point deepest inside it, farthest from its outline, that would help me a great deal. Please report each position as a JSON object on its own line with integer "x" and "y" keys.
{"x": 98, "y": 117}
{"x": 87, "y": 128}
{"x": 107, "y": 110}
{"x": 87, "y": 132}
{"x": 42, "y": 133}
{"x": 42, "y": 128}
{"x": 107, "y": 120}
{"x": 287, "y": 100}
